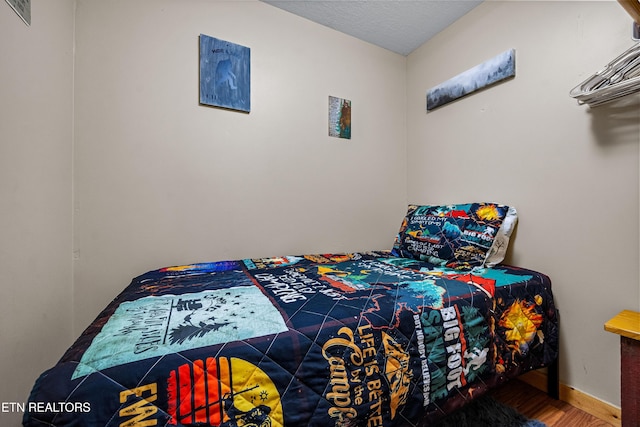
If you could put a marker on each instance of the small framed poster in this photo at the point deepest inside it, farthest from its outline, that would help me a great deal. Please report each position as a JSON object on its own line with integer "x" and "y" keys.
{"x": 339, "y": 117}
{"x": 225, "y": 74}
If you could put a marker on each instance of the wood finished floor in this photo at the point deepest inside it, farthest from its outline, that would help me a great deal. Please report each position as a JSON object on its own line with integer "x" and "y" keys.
{"x": 535, "y": 404}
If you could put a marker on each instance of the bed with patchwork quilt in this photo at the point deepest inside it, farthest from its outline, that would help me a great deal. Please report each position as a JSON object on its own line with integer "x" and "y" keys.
{"x": 380, "y": 338}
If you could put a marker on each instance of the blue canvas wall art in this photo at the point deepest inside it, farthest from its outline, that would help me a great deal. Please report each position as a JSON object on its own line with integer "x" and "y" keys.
{"x": 225, "y": 74}
{"x": 494, "y": 70}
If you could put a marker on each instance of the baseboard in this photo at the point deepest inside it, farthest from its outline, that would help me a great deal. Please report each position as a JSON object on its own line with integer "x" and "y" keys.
{"x": 576, "y": 398}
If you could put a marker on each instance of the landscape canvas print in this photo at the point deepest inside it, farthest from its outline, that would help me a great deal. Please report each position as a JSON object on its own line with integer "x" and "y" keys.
{"x": 494, "y": 70}
{"x": 225, "y": 74}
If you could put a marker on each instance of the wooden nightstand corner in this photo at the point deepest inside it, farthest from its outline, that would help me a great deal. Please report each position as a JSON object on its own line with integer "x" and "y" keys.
{"x": 627, "y": 325}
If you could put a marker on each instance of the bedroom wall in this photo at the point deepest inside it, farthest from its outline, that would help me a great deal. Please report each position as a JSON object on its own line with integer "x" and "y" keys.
{"x": 571, "y": 172}
{"x": 36, "y": 84}
{"x": 161, "y": 180}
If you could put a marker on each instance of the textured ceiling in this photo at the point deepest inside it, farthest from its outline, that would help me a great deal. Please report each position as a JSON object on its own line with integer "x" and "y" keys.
{"x": 398, "y": 25}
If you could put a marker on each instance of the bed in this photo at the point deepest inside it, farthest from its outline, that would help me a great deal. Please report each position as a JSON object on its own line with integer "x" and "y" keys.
{"x": 398, "y": 337}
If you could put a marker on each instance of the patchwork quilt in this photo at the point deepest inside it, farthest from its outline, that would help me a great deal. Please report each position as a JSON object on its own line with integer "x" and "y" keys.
{"x": 355, "y": 339}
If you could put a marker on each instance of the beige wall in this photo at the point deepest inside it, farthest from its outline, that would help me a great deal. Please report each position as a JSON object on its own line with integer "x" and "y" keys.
{"x": 161, "y": 180}
{"x": 571, "y": 172}
{"x": 36, "y": 83}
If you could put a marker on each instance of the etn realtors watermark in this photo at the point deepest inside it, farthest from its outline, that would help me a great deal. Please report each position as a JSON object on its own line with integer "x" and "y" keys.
{"x": 44, "y": 407}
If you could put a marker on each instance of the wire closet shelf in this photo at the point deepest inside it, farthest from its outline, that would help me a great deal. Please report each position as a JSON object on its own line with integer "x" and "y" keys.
{"x": 621, "y": 77}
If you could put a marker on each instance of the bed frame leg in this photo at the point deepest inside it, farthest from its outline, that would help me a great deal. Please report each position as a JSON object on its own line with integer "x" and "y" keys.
{"x": 553, "y": 380}
{"x": 553, "y": 371}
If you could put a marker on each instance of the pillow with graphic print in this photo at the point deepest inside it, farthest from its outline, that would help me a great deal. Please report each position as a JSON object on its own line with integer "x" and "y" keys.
{"x": 459, "y": 236}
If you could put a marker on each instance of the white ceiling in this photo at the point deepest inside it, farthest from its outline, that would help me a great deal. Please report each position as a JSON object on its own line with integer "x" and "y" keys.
{"x": 398, "y": 25}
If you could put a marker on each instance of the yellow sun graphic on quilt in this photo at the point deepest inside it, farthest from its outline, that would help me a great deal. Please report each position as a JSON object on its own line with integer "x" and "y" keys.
{"x": 488, "y": 212}
{"x": 522, "y": 323}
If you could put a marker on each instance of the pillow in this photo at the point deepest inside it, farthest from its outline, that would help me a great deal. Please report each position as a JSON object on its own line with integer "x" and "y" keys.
{"x": 457, "y": 236}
